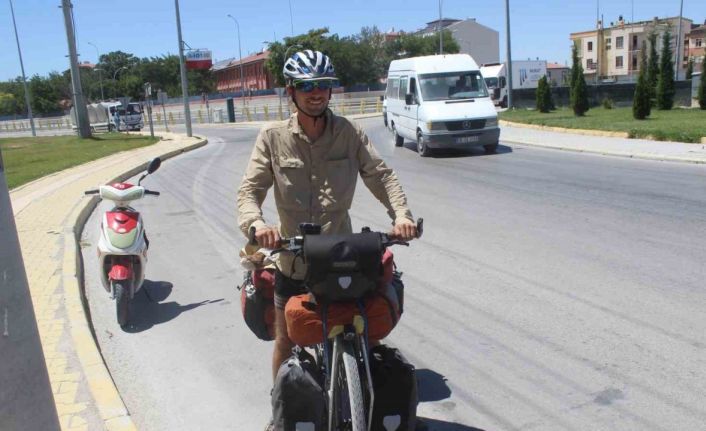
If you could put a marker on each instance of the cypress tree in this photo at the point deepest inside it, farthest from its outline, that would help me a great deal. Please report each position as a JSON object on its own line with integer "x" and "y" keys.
{"x": 641, "y": 103}
{"x": 690, "y": 68}
{"x": 543, "y": 95}
{"x": 574, "y": 65}
{"x": 701, "y": 94}
{"x": 578, "y": 93}
{"x": 652, "y": 67}
{"x": 665, "y": 82}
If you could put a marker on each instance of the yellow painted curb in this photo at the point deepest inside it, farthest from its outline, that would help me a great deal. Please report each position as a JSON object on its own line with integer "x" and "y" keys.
{"x": 565, "y": 130}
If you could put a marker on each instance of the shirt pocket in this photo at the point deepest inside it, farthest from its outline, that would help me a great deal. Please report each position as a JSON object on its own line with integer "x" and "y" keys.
{"x": 292, "y": 181}
{"x": 339, "y": 185}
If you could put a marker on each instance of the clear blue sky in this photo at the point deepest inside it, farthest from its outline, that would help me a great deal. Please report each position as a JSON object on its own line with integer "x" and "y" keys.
{"x": 147, "y": 28}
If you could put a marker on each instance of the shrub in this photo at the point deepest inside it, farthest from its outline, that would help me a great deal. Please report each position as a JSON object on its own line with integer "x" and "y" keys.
{"x": 607, "y": 103}
{"x": 641, "y": 106}
{"x": 544, "y": 95}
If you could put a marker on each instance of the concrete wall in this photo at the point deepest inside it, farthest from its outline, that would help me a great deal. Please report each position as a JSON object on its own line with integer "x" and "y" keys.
{"x": 478, "y": 41}
{"x": 621, "y": 94}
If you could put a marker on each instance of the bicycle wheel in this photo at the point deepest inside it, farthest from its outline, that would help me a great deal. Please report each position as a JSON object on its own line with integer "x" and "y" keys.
{"x": 121, "y": 303}
{"x": 348, "y": 394}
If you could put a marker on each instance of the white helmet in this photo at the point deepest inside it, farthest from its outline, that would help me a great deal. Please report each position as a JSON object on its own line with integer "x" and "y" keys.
{"x": 308, "y": 65}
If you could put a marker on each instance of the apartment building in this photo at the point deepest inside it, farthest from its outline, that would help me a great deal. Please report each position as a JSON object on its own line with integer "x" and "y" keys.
{"x": 612, "y": 54}
{"x": 695, "y": 46}
{"x": 255, "y": 74}
{"x": 480, "y": 42}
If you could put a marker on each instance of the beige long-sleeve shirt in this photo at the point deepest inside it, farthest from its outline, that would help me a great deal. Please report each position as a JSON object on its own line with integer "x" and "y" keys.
{"x": 314, "y": 182}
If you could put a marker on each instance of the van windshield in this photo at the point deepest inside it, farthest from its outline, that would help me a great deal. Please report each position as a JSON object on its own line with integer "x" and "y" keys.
{"x": 452, "y": 85}
{"x": 491, "y": 82}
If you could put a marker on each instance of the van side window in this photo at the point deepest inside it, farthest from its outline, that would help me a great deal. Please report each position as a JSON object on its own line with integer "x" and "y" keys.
{"x": 403, "y": 87}
{"x": 393, "y": 88}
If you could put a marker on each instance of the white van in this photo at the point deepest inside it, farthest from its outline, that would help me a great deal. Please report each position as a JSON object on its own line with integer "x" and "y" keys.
{"x": 440, "y": 101}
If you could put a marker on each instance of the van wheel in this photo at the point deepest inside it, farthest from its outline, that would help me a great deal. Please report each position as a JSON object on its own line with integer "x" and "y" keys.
{"x": 490, "y": 149}
{"x": 422, "y": 147}
{"x": 399, "y": 140}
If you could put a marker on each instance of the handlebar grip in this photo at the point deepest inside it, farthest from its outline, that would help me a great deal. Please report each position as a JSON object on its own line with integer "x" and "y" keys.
{"x": 150, "y": 192}
{"x": 420, "y": 227}
{"x": 91, "y": 192}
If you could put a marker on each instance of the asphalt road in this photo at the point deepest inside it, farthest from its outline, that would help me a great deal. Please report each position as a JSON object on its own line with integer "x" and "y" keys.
{"x": 551, "y": 291}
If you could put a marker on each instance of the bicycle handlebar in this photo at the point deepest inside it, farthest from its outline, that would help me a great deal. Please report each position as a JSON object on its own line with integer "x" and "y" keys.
{"x": 388, "y": 239}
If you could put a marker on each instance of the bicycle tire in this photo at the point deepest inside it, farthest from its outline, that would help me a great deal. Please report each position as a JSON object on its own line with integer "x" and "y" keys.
{"x": 355, "y": 393}
{"x": 121, "y": 303}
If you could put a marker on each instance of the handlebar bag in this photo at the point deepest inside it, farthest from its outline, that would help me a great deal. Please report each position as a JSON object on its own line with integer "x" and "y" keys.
{"x": 257, "y": 302}
{"x": 342, "y": 267}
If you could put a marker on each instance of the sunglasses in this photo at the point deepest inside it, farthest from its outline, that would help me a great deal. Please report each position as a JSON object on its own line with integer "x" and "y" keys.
{"x": 309, "y": 86}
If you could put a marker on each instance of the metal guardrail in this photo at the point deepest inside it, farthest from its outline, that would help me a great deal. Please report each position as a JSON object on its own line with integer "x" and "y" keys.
{"x": 262, "y": 112}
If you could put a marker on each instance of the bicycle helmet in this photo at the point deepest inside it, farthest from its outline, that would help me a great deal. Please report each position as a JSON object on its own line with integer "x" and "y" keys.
{"x": 308, "y": 65}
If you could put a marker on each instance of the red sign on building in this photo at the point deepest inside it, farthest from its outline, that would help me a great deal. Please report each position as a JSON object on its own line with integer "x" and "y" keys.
{"x": 198, "y": 59}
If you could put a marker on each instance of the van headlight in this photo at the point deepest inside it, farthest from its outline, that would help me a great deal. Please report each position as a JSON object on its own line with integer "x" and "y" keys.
{"x": 435, "y": 126}
{"x": 491, "y": 122}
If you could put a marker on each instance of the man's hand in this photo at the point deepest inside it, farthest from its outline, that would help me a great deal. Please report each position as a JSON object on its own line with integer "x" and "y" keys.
{"x": 267, "y": 237}
{"x": 405, "y": 230}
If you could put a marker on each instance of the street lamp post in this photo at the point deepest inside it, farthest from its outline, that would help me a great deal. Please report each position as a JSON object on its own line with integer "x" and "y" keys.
{"x": 115, "y": 83}
{"x": 100, "y": 71}
{"x": 509, "y": 54}
{"x": 24, "y": 79}
{"x": 240, "y": 60}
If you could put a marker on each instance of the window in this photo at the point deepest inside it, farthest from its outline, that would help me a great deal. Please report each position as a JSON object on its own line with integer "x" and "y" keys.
{"x": 619, "y": 62}
{"x": 590, "y": 46}
{"x": 403, "y": 87}
{"x": 607, "y": 43}
{"x": 699, "y": 42}
{"x": 589, "y": 64}
{"x": 393, "y": 88}
{"x": 634, "y": 42}
{"x": 634, "y": 62}
{"x": 452, "y": 85}
{"x": 619, "y": 42}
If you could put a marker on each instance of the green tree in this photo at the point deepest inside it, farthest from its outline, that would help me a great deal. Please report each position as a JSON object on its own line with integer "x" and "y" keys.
{"x": 641, "y": 106}
{"x": 578, "y": 94}
{"x": 653, "y": 68}
{"x": 701, "y": 94}
{"x": 543, "y": 95}
{"x": 689, "y": 68}
{"x": 8, "y": 104}
{"x": 575, "y": 61}
{"x": 45, "y": 96}
{"x": 665, "y": 82}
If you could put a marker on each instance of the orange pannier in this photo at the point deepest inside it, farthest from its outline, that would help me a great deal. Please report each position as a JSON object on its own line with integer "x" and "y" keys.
{"x": 305, "y": 323}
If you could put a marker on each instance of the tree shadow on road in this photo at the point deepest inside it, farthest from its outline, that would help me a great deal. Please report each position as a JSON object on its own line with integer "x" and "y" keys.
{"x": 147, "y": 310}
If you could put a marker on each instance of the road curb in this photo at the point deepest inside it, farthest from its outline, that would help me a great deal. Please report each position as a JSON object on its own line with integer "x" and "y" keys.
{"x": 109, "y": 403}
{"x": 653, "y": 157}
{"x": 587, "y": 132}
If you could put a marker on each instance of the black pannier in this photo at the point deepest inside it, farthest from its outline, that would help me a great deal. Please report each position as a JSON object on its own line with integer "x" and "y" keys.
{"x": 395, "y": 385}
{"x": 298, "y": 401}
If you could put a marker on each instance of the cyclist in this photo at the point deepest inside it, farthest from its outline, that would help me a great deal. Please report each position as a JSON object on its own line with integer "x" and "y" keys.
{"x": 312, "y": 160}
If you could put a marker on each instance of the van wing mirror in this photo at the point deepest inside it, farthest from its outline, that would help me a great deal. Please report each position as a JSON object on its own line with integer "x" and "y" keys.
{"x": 409, "y": 99}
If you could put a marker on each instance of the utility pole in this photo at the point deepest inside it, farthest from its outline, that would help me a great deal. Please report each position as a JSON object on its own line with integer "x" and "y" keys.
{"x": 24, "y": 78}
{"x": 82, "y": 124}
{"x": 182, "y": 67}
{"x": 677, "y": 56}
{"x": 509, "y": 56}
{"x": 291, "y": 21}
{"x": 441, "y": 34}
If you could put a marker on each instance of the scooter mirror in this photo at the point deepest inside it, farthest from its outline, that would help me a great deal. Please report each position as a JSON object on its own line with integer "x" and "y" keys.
{"x": 154, "y": 165}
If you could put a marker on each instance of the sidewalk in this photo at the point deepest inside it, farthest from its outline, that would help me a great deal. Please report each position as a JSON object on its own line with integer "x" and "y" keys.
{"x": 49, "y": 211}
{"x": 601, "y": 143}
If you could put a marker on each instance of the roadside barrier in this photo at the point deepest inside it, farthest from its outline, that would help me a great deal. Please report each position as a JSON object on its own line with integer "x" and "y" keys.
{"x": 253, "y": 112}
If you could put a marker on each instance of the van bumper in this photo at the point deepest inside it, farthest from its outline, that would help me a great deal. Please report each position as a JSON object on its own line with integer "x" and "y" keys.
{"x": 467, "y": 139}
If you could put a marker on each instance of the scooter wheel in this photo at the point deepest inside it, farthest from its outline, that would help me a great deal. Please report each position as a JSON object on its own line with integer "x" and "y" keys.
{"x": 121, "y": 303}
